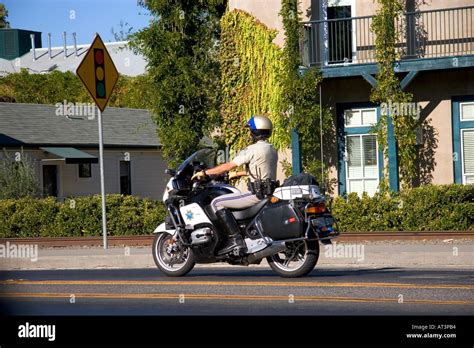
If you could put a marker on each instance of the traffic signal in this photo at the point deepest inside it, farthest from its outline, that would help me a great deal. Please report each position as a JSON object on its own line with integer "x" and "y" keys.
{"x": 96, "y": 67}
{"x": 99, "y": 73}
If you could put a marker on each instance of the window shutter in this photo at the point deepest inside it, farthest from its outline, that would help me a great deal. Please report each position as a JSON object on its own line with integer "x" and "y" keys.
{"x": 468, "y": 151}
{"x": 355, "y": 159}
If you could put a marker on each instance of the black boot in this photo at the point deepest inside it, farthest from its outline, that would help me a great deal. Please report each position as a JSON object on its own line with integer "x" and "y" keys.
{"x": 232, "y": 230}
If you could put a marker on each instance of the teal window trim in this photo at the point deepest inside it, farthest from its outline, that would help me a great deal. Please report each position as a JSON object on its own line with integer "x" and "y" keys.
{"x": 343, "y": 131}
{"x": 295, "y": 152}
{"x": 458, "y": 125}
{"x": 393, "y": 179}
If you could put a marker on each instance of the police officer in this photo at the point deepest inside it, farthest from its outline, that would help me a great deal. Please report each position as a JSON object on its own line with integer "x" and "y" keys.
{"x": 260, "y": 160}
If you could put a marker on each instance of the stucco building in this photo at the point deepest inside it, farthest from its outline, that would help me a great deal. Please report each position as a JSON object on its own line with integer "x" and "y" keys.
{"x": 436, "y": 66}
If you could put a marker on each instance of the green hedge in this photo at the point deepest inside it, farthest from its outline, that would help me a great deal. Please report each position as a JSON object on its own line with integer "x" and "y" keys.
{"x": 81, "y": 216}
{"x": 426, "y": 208}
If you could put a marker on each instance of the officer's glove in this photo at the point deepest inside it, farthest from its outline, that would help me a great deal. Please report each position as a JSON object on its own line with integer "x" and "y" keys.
{"x": 199, "y": 175}
{"x": 233, "y": 175}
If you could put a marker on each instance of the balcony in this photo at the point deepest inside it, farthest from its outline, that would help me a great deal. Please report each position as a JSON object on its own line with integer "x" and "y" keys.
{"x": 434, "y": 39}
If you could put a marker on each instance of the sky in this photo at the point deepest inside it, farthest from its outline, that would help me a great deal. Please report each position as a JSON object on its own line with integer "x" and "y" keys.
{"x": 85, "y": 17}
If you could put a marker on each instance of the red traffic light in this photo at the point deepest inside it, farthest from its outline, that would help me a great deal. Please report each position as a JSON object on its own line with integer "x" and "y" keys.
{"x": 99, "y": 57}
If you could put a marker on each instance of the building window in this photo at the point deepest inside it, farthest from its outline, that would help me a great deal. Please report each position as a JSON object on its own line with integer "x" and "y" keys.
{"x": 125, "y": 178}
{"x": 467, "y": 111}
{"x": 85, "y": 170}
{"x": 362, "y": 164}
{"x": 360, "y": 159}
{"x": 360, "y": 117}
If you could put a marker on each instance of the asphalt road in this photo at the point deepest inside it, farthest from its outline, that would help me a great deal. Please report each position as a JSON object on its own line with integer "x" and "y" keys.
{"x": 238, "y": 291}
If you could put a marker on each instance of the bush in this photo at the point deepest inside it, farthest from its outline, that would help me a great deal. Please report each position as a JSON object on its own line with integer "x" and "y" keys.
{"x": 81, "y": 216}
{"x": 18, "y": 178}
{"x": 27, "y": 217}
{"x": 426, "y": 208}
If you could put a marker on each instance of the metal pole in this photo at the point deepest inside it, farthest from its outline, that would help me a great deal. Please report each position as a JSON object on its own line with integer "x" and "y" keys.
{"x": 102, "y": 186}
{"x": 33, "y": 47}
{"x": 321, "y": 131}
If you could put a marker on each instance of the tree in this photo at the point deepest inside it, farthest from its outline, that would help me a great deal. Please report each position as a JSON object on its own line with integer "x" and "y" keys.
{"x": 124, "y": 31}
{"x": 181, "y": 46}
{"x": 3, "y": 17}
{"x": 57, "y": 86}
{"x": 23, "y": 87}
{"x": 388, "y": 89}
{"x": 301, "y": 100}
{"x": 17, "y": 177}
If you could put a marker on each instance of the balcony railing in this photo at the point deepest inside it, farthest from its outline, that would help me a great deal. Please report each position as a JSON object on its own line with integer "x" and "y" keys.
{"x": 423, "y": 34}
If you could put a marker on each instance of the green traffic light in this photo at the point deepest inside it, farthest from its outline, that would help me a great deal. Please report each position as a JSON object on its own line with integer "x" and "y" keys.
{"x": 100, "y": 90}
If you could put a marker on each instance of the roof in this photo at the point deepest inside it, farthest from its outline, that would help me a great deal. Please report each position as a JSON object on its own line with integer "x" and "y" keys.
{"x": 46, "y": 125}
{"x": 127, "y": 62}
{"x": 71, "y": 155}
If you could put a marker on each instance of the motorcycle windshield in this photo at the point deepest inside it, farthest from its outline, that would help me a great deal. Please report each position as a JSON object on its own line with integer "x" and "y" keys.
{"x": 206, "y": 156}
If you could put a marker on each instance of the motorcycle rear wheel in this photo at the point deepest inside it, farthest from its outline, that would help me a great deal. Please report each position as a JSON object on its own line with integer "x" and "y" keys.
{"x": 171, "y": 258}
{"x": 303, "y": 254}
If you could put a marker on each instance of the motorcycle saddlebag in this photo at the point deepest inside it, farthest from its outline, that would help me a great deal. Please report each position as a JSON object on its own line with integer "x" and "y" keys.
{"x": 281, "y": 221}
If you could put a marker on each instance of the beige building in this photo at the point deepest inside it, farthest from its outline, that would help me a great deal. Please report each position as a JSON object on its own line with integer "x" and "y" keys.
{"x": 436, "y": 65}
{"x": 62, "y": 145}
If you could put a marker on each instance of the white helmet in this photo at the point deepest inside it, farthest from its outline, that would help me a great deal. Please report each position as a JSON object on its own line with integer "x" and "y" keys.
{"x": 260, "y": 127}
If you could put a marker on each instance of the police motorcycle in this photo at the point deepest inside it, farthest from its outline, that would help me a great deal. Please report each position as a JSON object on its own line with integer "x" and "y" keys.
{"x": 285, "y": 227}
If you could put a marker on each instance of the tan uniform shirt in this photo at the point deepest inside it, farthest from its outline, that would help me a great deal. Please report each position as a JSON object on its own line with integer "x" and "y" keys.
{"x": 261, "y": 158}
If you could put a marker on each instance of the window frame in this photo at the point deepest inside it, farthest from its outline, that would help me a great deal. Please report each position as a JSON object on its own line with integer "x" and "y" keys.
{"x": 459, "y": 125}
{"x": 343, "y": 131}
{"x": 324, "y": 35}
{"x": 363, "y": 178}
{"x": 360, "y": 111}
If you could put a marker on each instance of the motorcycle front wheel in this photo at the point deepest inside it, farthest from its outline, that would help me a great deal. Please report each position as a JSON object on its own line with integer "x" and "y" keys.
{"x": 171, "y": 257}
{"x": 297, "y": 260}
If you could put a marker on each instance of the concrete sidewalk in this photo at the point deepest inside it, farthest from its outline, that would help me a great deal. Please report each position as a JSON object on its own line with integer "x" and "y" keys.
{"x": 420, "y": 254}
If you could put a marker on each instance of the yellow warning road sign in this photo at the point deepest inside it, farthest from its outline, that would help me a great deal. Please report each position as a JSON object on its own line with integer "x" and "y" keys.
{"x": 98, "y": 73}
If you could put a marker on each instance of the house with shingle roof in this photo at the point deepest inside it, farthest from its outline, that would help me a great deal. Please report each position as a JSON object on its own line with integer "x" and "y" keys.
{"x": 62, "y": 141}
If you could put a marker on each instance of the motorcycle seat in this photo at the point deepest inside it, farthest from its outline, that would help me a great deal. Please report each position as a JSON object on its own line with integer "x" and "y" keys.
{"x": 248, "y": 213}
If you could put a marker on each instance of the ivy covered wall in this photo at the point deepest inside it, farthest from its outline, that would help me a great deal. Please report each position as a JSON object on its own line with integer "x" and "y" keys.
{"x": 259, "y": 77}
{"x": 252, "y": 74}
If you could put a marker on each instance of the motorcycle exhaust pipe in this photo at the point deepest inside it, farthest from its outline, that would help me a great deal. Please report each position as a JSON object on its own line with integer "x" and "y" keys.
{"x": 270, "y": 250}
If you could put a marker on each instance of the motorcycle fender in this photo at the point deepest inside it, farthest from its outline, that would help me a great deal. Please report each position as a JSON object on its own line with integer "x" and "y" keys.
{"x": 162, "y": 228}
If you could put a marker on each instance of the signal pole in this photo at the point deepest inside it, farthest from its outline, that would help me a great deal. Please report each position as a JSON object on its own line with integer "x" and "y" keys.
{"x": 102, "y": 184}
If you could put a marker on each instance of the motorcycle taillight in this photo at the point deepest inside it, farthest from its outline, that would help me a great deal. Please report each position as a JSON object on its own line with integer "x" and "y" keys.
{"x": 316, "y": 209}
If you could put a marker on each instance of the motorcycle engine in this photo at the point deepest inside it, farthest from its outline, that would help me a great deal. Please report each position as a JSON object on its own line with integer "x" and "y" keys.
{"x": 201, "y": 236}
